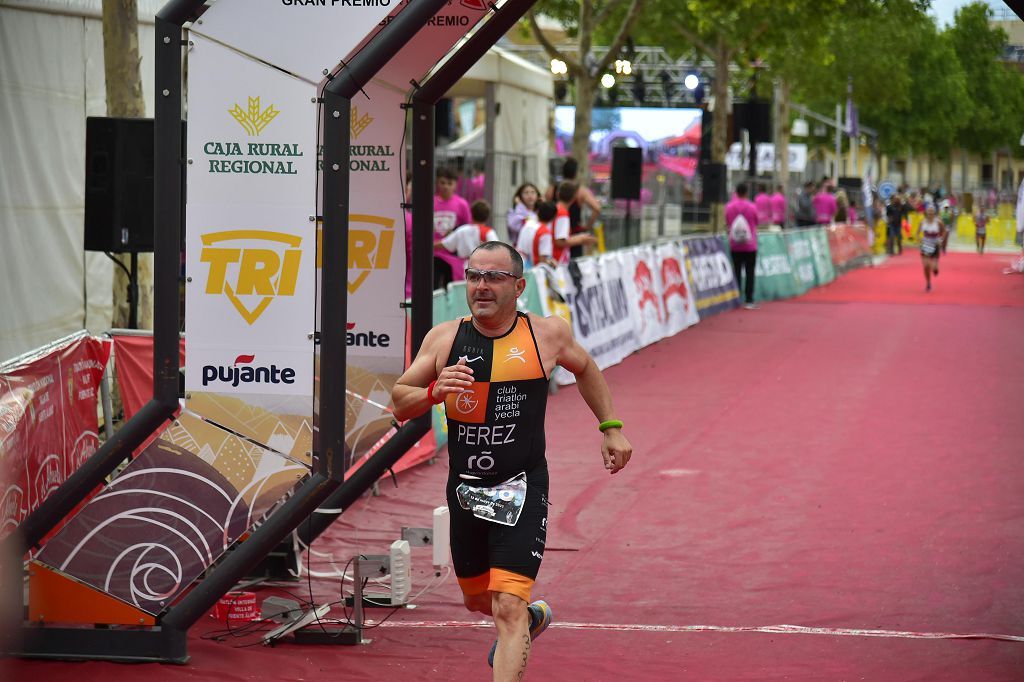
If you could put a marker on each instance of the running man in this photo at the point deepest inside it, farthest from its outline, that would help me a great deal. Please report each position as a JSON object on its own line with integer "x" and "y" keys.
{"x": 491, "y": 371}
{"x": 930, "y": 233}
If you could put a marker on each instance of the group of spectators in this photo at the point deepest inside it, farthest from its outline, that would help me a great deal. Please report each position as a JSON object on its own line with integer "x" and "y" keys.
{"x": 823, "y": 203}
{"x": 546, "y": 228}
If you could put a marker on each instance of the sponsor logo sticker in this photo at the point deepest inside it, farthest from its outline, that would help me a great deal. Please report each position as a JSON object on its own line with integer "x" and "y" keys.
{"x": 263, "y": 271}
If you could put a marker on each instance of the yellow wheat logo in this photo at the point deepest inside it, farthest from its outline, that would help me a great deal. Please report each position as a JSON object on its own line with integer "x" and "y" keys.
{"x": 254, "y": 120}
{"x": 359, "y": 123}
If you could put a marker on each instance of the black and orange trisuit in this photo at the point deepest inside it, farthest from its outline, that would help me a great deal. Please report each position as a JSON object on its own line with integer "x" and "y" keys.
{"x": 496, "y": 432}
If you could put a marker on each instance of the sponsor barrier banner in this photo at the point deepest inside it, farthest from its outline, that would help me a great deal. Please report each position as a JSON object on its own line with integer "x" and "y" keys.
{"x": 801, "y": 257}
{"x": 643, "y": 287}
{"x": 850, "y": 245}
{"x": 824, "y": 271}
{"x": 709, "y": 269}
{"x": 676, "y": 294}
{"x": 774, "y": 276}
{"x": 251, "y": 247}
{"x": 599, "y": 304}
{"x": 48, "y": 423}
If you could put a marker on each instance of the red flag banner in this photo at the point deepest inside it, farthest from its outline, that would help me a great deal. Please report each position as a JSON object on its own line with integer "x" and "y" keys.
{"x": 48, "y": 422}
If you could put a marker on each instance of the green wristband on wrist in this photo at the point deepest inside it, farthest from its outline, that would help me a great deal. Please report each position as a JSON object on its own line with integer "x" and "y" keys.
{"x": 610, "y": 424}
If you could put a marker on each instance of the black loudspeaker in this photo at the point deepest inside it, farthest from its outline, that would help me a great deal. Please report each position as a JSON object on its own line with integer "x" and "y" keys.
{"x": 713, "y": 179}
{"x": 707, "y": 122}
{"x": 118, "y": 184}
{"x": 756, "y": 117}
{"x": 627, "y": 172}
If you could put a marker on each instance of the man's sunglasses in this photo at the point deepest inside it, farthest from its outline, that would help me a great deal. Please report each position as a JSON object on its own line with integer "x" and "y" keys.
{"x": 473, "y": 276}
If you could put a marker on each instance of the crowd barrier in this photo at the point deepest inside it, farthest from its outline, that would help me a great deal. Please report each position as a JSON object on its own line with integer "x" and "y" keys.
{"x": 48, "y": 420}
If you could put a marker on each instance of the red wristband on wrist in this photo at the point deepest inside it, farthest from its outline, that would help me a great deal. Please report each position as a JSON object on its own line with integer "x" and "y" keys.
{"x": 430, "y": 394}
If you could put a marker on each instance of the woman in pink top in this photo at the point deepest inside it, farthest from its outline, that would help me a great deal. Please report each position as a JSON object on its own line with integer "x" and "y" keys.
{"x": 764, "y": 206}
{"x": 824, "y": 205}
{"x": 778, "y": 201}
{"x": 743, "y": 241}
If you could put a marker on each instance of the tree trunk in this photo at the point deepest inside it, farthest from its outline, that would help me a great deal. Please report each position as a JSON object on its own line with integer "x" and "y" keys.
{"x": 124, "y": 100}
{"x": 782, "y": 153}
{"x": 586, "y": 88}
{"x": 720, "y": 124}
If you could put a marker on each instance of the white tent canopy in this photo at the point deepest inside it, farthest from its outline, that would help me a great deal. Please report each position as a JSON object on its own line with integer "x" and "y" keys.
{"x": 51, "y": 79}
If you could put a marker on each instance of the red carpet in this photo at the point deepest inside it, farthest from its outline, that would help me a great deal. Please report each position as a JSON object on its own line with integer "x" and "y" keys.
{"x": 845, "y": 466}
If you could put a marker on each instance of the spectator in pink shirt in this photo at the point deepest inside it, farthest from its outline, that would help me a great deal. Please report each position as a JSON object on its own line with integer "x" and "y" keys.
{"x": 450, "y": 211}
{"x": 824, "y": 204}
{"x": 741, "y": 223}
{"x": 763, "y": 203}
{"x": 778, "y": 201}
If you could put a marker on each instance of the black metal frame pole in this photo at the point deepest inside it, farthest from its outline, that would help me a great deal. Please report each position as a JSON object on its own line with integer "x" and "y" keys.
{"x": 329, "y": 461}
{"x": 167, "y": 227}
{"x": 422, "y": 222}
{"x": 364, "y": 477}
{"x": 330, "y": 448}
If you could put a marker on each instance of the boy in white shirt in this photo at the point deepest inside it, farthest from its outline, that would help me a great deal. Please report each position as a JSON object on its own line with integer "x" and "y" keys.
{"x": 464, "y": 239}
{"x": 535, "y": 243}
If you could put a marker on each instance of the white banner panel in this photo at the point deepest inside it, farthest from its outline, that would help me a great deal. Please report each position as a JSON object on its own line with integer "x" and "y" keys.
{"x": 644, "y": 290}
{"x": 601, "y": 319}
{"x": 735, "y": 160}
{"x": 250, "y": 294}
{"x": 251, "y": 132}
{"x": 676, "y": 295}
{"x": 303, "y": 37}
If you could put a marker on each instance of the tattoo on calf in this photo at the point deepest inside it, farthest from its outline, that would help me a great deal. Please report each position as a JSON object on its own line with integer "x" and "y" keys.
{"x": 526, "y": 656}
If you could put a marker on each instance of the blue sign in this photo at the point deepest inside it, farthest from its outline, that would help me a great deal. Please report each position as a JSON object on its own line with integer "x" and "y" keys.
{"x": 886, "y": 190}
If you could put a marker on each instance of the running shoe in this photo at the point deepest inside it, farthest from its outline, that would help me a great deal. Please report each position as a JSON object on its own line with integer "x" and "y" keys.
{"x": 927, "y": 287}
{"x": 751, "y": 306}
{"x": 540, "y": 619}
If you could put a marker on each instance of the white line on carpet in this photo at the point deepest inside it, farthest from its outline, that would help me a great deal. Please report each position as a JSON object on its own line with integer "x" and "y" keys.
{"x": 771, "y": 629}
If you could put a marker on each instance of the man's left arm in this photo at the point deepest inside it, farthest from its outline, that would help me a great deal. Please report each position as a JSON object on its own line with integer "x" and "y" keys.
{"x": 615, "y": 448}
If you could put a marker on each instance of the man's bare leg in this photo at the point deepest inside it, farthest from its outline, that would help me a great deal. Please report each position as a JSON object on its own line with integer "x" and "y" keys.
{"x": 481, "y": 603}
{"x": 512, "y": 620}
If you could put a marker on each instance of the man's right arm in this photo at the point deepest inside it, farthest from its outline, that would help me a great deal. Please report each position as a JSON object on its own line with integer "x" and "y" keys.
{"x": 410, "y": 396}
{"x": 587, "y": 198}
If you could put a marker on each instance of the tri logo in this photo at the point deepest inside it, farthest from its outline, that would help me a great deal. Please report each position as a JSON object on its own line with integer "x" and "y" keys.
{"x": 261, "y": 271}
{"x": 371, "y": 239}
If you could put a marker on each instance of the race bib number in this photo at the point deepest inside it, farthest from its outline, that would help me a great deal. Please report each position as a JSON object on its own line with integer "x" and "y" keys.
{"x": 502, "y": 503}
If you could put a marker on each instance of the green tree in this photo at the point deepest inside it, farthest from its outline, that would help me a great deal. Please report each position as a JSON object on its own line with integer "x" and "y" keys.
{"x": 582, "y": 19}
{"x": 994, "y": 89}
